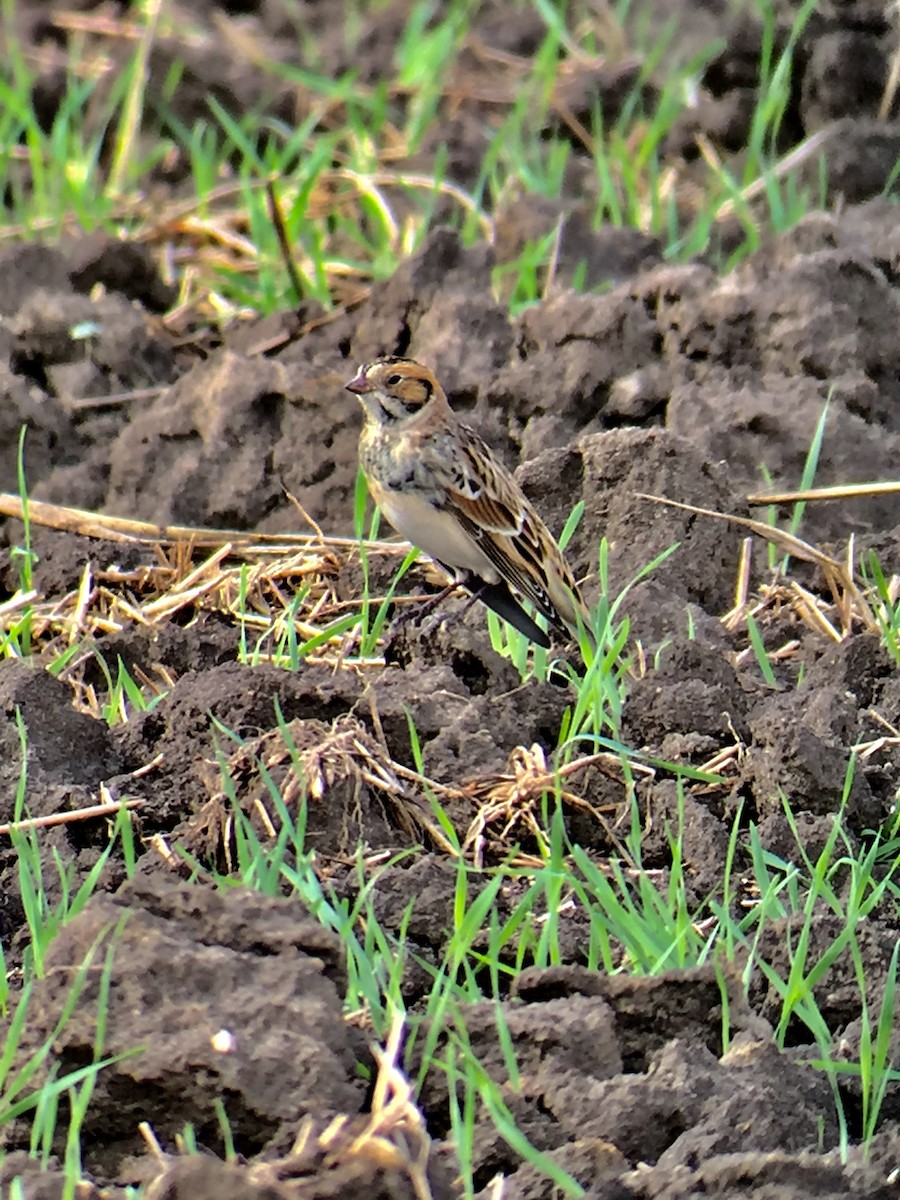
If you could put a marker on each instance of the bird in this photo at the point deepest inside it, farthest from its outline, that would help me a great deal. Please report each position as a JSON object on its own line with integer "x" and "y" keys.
{"x": 443, "y": 489}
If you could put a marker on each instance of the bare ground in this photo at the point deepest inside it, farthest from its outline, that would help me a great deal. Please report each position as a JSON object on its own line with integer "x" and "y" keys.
{"x": 676, "y": 381}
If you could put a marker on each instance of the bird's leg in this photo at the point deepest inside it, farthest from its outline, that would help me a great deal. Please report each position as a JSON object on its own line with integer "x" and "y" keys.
{"x": 425, "y": 606}
{"x": 498, "y": 598}
{"x": 474, "y": 596}
{"x": 474, "y": 587}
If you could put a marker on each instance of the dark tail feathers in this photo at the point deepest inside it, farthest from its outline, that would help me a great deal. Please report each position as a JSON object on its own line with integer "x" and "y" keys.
{"x": 498, "y": 597}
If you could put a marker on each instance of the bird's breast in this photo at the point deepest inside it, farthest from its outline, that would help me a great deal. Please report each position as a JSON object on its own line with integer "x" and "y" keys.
{"x": 413, "y": 502}
{"x": 437, "y": 532}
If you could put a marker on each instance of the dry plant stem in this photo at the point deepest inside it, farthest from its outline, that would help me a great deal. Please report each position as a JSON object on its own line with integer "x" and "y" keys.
{"x": 867, "y": 749}
{"x": 848, "y": 597}
{"x": 69, "y": 818}
{"x": 509, "y": 798}
{"x": 893, "y": 80}
{"x": 77, "y": 404}
{"x": 892, "y": 729}
{"x": 368, "y": 185}
{"x": 17, "y": 602}
{"x": 251, "y": 578}
{"x": 284, "y": 243}
{"x": 346, "y": 752}
{"x": 99, "y": 525}
{"x": 812, "y": 613}
{"x": 391, "y": 1138}
{"x": 793, "y": 159}
{"x": 395, "y": 1115}
{"x": 726, "y": 757}
{"x": 311, "y": 521}
{"x": 843, "y": 491}
{"x": 152, "y": 1142}
{"x": 101, "y": 24}
{"x": 166, "y": 853}
{"x": 741, "y": 587}
{"x": 131, "y": 115}
{"x": 82, "y": 603}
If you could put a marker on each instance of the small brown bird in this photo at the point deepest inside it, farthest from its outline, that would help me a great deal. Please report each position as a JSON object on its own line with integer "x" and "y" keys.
{"x": 442, "y": 488}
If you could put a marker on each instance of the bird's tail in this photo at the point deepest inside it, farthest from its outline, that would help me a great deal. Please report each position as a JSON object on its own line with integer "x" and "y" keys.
{"x": 497, "y": 596}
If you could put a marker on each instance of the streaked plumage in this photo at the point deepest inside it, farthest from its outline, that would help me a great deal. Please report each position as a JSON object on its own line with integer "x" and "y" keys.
{"x": 442, "y": 488}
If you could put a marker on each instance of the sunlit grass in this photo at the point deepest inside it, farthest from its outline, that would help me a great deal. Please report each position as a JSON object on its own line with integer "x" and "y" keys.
{"x": 352, "y": 211}
{"x": 638, "y": 920}
{"x": 351, "y": 204}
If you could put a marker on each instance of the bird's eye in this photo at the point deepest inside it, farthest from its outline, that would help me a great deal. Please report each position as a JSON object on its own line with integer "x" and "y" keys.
{"x": 393, "y": 380}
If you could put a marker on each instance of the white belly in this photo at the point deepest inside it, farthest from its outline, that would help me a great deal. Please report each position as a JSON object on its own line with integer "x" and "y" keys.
{"x": 437, "y": 533}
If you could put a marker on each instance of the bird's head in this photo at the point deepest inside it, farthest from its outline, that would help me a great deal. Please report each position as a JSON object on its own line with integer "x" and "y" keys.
{"x": 396, "y": 391}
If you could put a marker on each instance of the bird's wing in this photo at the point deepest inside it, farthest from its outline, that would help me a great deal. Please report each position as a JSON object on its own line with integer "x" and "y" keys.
{"x": 483, "y": 496}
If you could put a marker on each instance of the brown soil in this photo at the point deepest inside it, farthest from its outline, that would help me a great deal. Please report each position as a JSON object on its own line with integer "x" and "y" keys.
{"x": 674, "y": 380}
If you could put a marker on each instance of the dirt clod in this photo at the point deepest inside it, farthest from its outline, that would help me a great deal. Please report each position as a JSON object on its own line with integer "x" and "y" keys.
{"x": 757, "y": 705}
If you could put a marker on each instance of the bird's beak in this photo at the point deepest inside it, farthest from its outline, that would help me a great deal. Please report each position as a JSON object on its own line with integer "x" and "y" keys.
{"x": 359, "y": 384}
